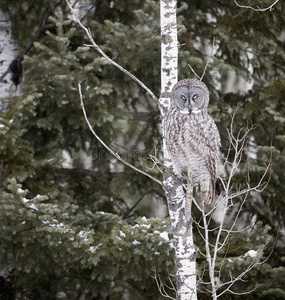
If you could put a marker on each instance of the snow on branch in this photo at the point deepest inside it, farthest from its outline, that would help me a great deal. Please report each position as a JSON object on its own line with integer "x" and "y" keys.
{"x": 116, "y": 155}
{"x": 270, "y": 8}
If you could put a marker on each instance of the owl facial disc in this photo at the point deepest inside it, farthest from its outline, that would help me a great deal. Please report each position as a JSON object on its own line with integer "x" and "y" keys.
{"x": 189, "y": 99}
{"x": 190, "y": 96}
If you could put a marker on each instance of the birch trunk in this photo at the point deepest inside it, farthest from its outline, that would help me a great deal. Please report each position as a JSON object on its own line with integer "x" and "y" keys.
{"x": 8, "y": 52}
{"x": 178, "y": 206}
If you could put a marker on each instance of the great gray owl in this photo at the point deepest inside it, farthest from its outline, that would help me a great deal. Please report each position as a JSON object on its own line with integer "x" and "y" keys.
{"x": 192, "y": 137}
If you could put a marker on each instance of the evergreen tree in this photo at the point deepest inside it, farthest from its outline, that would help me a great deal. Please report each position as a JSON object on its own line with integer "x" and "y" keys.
{"x": 69, "y": 232}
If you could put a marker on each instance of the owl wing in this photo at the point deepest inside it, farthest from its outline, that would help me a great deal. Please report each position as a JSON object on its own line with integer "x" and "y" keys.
{"x": 211, "y": 140}
{"x": 213, "y": 143}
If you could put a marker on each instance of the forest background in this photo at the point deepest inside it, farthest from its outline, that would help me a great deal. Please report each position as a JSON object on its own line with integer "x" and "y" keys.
{"x": 77, "y": 224}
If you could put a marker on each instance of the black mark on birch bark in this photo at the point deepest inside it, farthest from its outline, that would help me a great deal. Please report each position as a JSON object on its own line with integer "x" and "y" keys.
{"x": 166, "y": 39}
{"x": 169, "y": 14}
{"x": 166, "y": 71}
{"x": 167, "y": 2}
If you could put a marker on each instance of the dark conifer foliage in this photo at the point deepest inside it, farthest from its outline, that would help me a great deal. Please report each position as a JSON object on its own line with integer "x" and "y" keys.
{"x": 72, "y": 219}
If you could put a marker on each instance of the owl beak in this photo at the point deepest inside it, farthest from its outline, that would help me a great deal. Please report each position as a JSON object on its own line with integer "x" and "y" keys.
{"x": 190, "y": 108}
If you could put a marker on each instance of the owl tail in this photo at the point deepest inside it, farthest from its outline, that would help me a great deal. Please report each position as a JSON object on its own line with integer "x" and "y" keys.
{"x": 208, "y": 196}
{"x": 208, "y": 192}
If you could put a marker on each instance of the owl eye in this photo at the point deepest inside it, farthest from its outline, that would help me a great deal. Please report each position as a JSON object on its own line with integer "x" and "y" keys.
{"x": 183, "y": 97}
{"x": 195, "y": 97}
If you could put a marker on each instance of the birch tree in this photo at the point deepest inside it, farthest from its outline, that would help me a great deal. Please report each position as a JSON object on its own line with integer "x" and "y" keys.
{"x": 179, "y": 206}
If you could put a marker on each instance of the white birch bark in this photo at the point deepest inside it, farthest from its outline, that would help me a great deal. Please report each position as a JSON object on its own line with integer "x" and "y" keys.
{"x": 179, "y": 211}
{"x": 8, "y": 52}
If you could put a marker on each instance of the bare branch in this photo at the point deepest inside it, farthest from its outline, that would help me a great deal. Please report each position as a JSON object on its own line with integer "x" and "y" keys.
{"x": 270, "y": 8}
{"x": 261, "y": 56}
{"x": 156, "y": 162}
{"x": 127, "y": 213}
{"x": 233, "y": 280}
{"x": 107, "y": 147}
{"x": 274, "y": 243}
{"x": 230, "y": 230}
{"x": 214, "y": 244}
{"x": 244, "y": 293}
{"x": 208, "y": 60}
{"x": 194, "y": 72}
{"x": 161, "y": 288}
{"x": 207, "y": 63}
{"x": 98, "y": 49}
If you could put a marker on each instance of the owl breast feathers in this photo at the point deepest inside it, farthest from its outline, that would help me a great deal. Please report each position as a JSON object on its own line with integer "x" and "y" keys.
{"x": 192, "y": 137}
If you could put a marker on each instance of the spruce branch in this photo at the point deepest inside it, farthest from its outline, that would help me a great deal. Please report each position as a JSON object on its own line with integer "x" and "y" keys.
{"x": 115, "y": 154}
{"x": 99, "y": 50}
{"x": 262, "y": 57}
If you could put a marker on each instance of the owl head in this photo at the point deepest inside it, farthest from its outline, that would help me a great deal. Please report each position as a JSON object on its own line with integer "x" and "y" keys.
{"x": 190, "y": 96}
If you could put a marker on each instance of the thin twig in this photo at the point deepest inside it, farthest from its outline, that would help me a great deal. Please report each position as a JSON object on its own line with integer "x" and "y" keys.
{"x": 244, "y": 293}
{"x": 207, "y": 63}
{"x": 253, "y": 263}
{"x": 107, "y": 147}
{"x": 208, "y": 59}
{"x": 135, "y": 205}
{"x": 155, "y": 160}
{"x": 161, "y": 288}
{"x": 194, "y": 72}
{"x": 237, "y": 144}
{"x": 258, "y": 8}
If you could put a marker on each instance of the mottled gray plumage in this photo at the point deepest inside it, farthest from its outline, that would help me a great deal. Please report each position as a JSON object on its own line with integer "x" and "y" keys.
{"x": 192, "y": 137}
